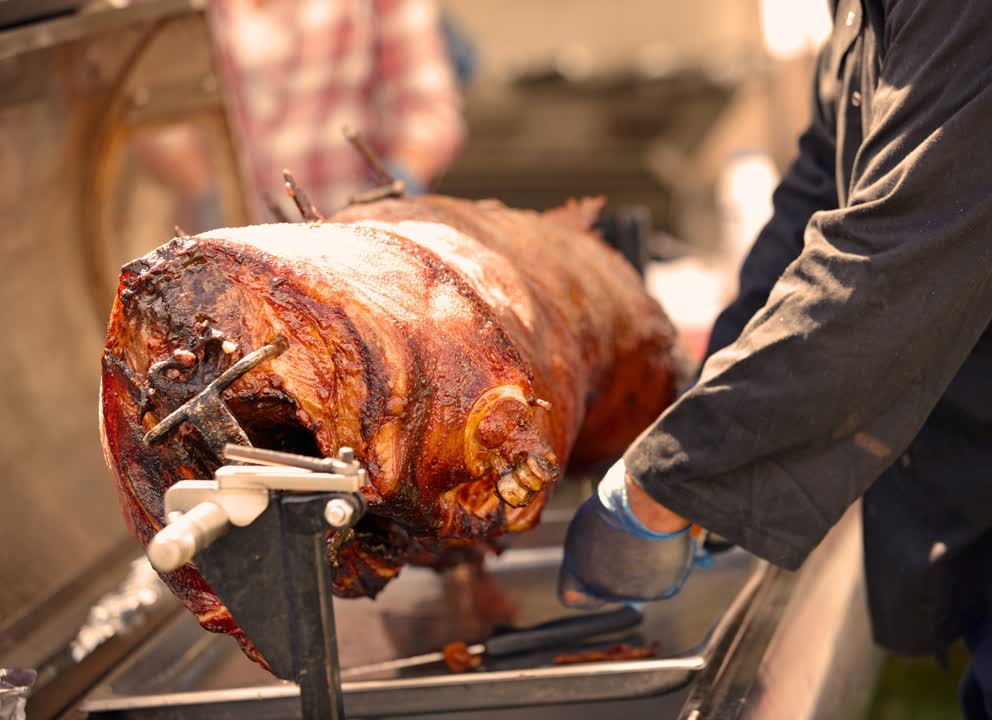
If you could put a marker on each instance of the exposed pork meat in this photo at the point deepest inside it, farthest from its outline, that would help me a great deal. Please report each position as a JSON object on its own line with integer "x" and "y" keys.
{"x": 613, "y": 653}
{"x": 464, "y": 349}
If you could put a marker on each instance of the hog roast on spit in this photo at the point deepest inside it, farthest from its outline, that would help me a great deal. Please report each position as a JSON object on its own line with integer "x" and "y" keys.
{"x": 464, "y": 349}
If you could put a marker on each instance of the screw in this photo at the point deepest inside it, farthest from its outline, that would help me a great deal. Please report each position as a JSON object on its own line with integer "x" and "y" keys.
{"x": 346, "y": 455}
{"x": 338, "y": 513}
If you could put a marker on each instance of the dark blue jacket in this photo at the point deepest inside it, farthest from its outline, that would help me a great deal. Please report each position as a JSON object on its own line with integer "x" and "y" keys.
{"x": 857, "y": 359}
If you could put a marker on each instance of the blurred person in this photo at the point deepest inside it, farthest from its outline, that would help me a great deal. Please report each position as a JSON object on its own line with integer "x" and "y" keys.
{"x": 301, "y": 70}
{"x": 298, "y": 72}
{"x": 855, "y": 361}
{"x": 178, "y": 158}
{"x": 462, "y": 52}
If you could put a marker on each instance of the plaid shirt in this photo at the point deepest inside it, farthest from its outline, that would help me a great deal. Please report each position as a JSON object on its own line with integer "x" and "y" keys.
{"x": 300, "y": 70}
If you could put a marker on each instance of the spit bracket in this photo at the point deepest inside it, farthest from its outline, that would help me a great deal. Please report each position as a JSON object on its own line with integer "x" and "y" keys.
{"x": 259, "y": 537}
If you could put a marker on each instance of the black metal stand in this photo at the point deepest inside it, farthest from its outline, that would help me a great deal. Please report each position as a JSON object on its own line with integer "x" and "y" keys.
{"x": 628, "y": 229}
{"x": 307, "y": 591}
{"x": 294, "y": 629}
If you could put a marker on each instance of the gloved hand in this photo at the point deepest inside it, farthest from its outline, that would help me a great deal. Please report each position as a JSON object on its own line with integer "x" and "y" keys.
{"x": 413, "y": 184}
{"x": 610, "y": 556}
{"x": 202, "y": 212}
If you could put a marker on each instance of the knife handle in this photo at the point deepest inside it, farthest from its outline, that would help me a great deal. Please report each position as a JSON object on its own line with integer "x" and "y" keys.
{"x": 562, "y": 631}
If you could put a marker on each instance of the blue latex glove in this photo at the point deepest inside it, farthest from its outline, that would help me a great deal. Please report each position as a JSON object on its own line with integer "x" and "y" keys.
{"x": 414, "y": 185}
{"x": 611, "y": 557}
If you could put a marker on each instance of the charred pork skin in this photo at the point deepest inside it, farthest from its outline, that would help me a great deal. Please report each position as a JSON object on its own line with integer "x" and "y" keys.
{"x": 465, "y": 350}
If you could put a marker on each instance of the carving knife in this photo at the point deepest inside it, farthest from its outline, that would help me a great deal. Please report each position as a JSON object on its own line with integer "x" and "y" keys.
{"x": 548, "y": 635}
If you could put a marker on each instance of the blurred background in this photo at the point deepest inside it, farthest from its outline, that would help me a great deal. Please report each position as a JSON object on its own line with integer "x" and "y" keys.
{"x": 120, "y": 121}
{"x": 682, "y": 116}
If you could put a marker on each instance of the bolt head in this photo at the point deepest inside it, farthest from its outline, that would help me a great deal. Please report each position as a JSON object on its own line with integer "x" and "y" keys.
{"x": 346, "y": 455}
{"x": 338, "y": 513}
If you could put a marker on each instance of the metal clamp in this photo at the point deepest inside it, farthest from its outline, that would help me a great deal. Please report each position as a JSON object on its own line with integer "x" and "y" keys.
{"x": 200, "y": 511}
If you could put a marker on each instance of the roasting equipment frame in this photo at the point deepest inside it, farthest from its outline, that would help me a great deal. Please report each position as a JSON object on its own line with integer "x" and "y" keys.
{"x": 258, "y": 535}
{"x": 252, "y": 524}
{"x": 794, "y": 645}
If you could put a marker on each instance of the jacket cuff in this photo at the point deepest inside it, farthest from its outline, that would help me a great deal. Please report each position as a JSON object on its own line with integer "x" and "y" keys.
{"x": 691, "y": 501}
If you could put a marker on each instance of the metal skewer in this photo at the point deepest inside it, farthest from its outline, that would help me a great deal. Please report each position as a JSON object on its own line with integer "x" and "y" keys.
{"x": 208, "y": 413}
{"x": 263, "y": 456}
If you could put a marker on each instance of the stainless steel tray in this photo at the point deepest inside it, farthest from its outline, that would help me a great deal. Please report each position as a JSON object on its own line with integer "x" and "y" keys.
{"x": 184, "y": 672}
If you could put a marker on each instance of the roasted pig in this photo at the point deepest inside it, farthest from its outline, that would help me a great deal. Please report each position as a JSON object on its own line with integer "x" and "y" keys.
{"x": 465, "y": 350}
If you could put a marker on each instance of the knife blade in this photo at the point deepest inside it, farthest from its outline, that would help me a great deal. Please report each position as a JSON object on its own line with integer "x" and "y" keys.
{"x": 544, "y": 636}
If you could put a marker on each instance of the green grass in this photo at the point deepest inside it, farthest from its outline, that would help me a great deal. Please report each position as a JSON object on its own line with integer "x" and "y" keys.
{"x": 915, "y": 689}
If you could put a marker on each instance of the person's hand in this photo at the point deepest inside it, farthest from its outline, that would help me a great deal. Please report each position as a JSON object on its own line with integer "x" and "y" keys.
{"x": 200, "y": 213}
{"x": 622, "y": 546}
{"x": 413, "y": 183}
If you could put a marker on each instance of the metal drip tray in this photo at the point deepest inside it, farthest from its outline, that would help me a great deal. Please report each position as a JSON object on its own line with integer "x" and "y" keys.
{"x": 188, "y": 673}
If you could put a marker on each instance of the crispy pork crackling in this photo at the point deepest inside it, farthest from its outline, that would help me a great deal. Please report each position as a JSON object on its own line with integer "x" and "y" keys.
{"x": 464, "y": 349}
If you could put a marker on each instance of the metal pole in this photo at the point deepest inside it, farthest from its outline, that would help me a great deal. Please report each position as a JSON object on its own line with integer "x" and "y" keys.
{"x": 330, "y": 635}
{"x": 317, "y": 671}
